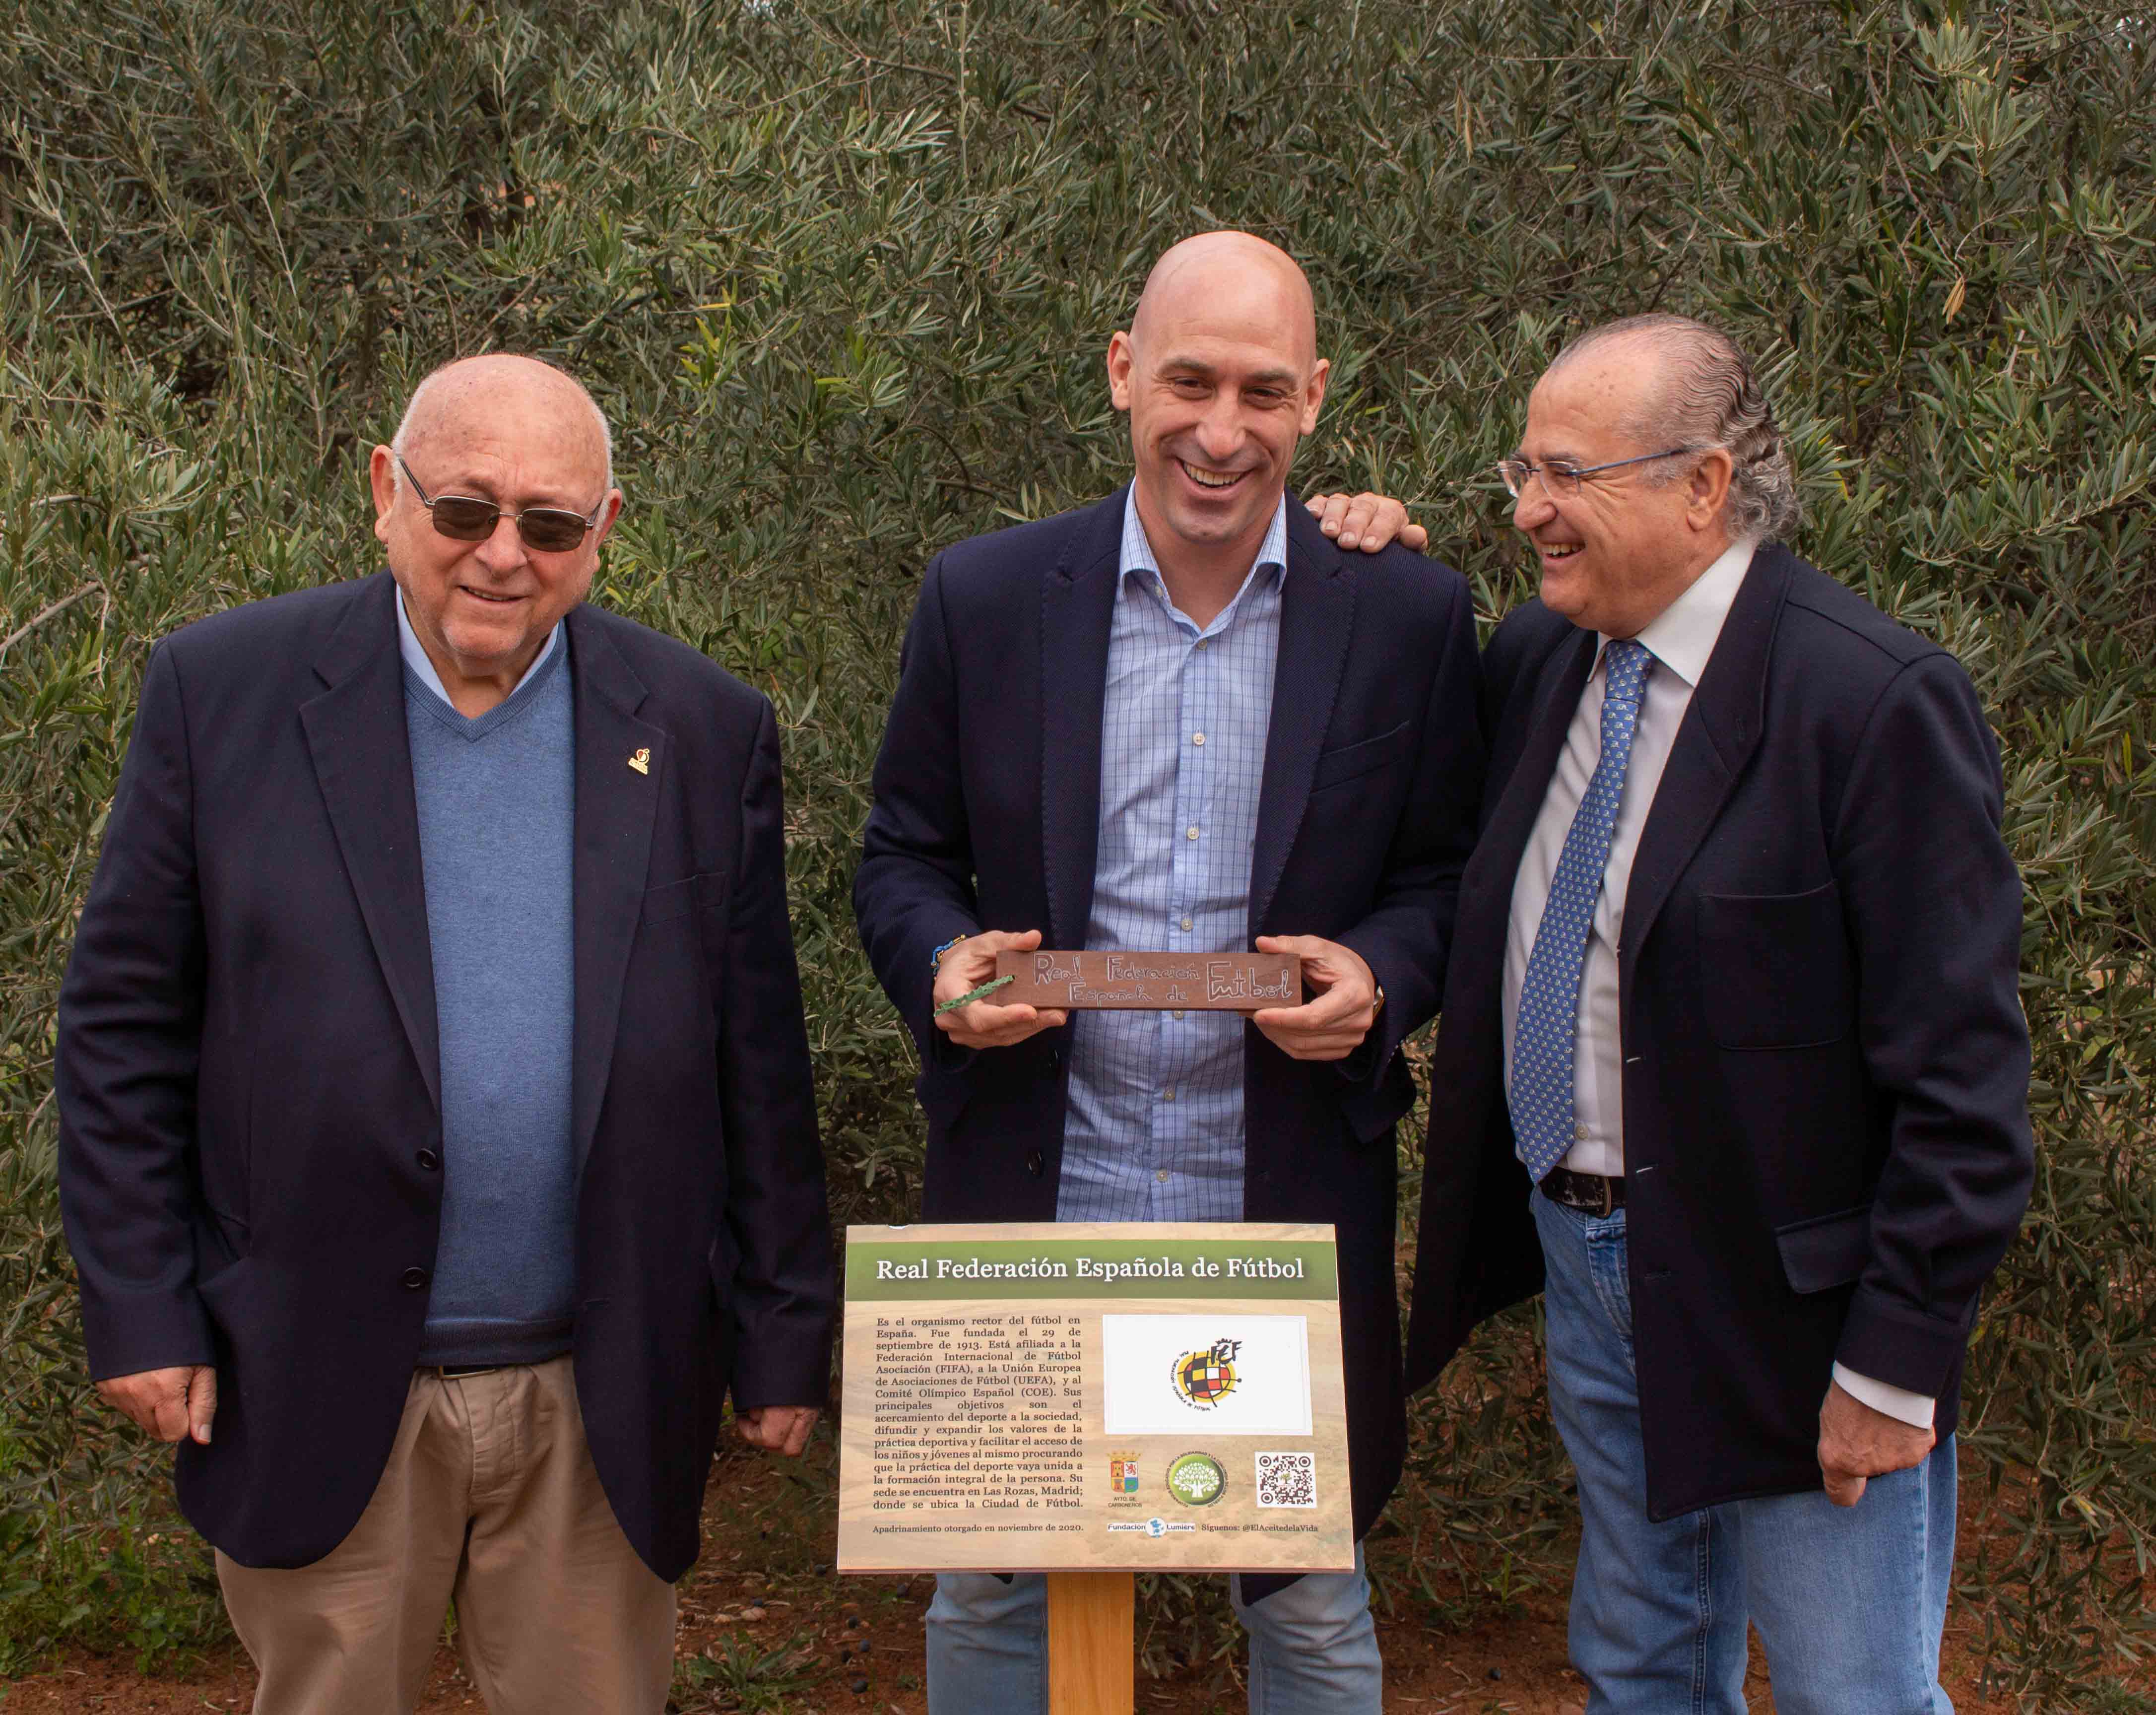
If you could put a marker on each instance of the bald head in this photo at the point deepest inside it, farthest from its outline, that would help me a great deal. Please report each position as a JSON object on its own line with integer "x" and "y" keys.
{"x": 1230, "y": 276}
{"x": 480, "y": 393}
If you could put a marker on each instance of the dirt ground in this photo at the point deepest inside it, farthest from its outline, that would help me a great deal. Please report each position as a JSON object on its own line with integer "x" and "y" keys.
{"x": 765, "y": 1626}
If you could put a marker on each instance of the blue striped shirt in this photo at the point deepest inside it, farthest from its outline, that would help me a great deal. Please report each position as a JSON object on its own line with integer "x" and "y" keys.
{"x": 1154, "y": 1126}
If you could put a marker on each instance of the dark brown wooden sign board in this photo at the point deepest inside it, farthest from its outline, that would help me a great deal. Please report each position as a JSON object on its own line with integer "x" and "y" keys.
{"x": 1200, "y": 982}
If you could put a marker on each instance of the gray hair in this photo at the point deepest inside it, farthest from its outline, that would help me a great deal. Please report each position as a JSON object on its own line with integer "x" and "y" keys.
{"x": 400, "y": 443}
{"x": 1709, "y": 398}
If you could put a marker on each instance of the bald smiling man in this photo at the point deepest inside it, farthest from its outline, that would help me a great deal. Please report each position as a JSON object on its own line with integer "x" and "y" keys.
{"x": 437, "y": 1144}
{"x": 1183, "y": 718}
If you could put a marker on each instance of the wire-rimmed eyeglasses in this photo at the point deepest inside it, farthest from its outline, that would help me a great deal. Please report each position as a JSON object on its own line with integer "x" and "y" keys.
{"x": 1561, "y": 477}
{"x": 552, "y": 530}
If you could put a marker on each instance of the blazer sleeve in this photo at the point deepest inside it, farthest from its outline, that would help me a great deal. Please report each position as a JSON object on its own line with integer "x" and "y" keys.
{"x": 1406, "y": 936}
{"x": 130, "y": 1041}
{"x": 777, "y": 1215}
{"x": 1933, "y": 904}
{"x": 914, "y": 890}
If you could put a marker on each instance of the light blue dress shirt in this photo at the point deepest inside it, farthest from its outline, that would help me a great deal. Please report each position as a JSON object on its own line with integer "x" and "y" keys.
{"x": 1153, "y": 1130}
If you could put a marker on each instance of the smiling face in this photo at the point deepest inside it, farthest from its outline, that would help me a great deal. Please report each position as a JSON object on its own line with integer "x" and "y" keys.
{"x": 1618, "y": 552}
{"x": 521, "y": 434}
{"x": 1220, "y": 375}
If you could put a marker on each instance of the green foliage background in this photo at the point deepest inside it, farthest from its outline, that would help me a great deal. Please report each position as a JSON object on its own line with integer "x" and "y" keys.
{"x": 842, "y": 273}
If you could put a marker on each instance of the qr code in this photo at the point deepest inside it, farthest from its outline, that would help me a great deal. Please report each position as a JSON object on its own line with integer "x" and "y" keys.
{"x": 1287, "y": 1479}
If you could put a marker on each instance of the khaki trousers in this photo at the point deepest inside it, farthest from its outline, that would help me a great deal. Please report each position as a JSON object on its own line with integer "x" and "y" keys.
{"x": 490, "y": 1501}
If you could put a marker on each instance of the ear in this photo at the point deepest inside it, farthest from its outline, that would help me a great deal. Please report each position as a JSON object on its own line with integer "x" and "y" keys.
{"x": 1123, "y": 359}
{"x": 1707, "y": 488}
{"x": 1313, "y": 394}
{"x": 382, "y": 480}
{"x": 609, "y": 514}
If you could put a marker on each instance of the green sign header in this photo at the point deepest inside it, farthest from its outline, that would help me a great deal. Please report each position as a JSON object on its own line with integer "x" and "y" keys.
{"x": 897, "y": 1268}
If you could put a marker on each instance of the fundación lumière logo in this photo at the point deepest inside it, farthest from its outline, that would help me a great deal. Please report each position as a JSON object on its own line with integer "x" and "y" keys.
{"x": 1203, "y": 1379}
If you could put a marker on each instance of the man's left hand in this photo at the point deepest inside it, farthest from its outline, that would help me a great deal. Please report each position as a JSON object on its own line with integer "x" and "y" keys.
{"x": 1366, "y": 521}
{"x": 1332, "y": 1024}
{"x": 776, "y": 1429}
{"x": 1857, "y": 1443}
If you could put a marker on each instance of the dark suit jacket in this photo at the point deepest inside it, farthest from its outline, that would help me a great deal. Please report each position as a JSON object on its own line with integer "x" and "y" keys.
{"x": 248, "y": 1072}
{"x": 1826, "y": 1070}
{"x": 986, "y": 809}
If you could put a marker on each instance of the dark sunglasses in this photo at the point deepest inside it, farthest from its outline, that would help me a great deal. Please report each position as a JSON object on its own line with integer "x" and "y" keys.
{"x": 552, "y": 530}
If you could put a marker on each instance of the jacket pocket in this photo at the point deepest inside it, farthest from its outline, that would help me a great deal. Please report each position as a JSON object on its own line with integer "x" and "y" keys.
{"x": 1827, "y": 1251}
{"x": 677, "y": 899}
{"x": 1350, "y": 762}
{"x": 1774, "y": 968}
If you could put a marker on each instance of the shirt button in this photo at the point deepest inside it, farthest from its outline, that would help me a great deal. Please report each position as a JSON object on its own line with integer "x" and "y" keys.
{"x": 1197, "y": 738}
{"x": 1579, "y": 1133}
{"x": 1161, "y": 1173}
{"x": 414, "y": 1278}
{"x": 1202, "y": 642}
{"x": 1177, "y": 1013}
{"x": 1169, "y": 1094}
{"x": 1191, "y": 832}
{"x": 1186, "y": 922}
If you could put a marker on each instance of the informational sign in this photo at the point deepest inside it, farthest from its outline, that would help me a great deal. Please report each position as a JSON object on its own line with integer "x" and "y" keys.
{"x": 1205, "y": 982}
{"x": 1093, "y": 1395}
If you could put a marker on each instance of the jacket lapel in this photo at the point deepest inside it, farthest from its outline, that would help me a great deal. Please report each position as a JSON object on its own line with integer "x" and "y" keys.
{"x": 1720, "y": 730}
{"x": 362, "y": 756}
{"x": 1317, "y": 616}
{"x": 1487, "y": 888}
{"x": 617, "y": 806}
{"x": 1077, "y": 606}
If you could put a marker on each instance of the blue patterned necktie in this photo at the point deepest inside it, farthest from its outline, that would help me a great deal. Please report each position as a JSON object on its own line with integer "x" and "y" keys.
{"x": 1543, "y": 1037}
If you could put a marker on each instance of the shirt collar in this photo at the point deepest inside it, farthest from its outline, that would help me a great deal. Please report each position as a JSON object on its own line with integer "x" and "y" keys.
{"x": 1682, "y": 635}
{"x": 1138, "y": 552}
{"x": 415, "y": 655}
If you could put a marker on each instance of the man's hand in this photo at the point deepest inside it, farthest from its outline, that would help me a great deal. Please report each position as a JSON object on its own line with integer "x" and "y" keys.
{"x": 1856, "y": 1443}
{"x": 1366, "y": 521}
{"x": 167, "y": 1403}
{"x": 776, "y": 1429}
{"x": 1332, "y": 1024}
{"x": 964, "y": 968}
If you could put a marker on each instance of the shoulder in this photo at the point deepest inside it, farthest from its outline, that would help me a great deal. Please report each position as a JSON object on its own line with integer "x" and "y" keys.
{"x": 278, "y": 629}
{"x": 670, "y": 670}
{"x": 1408, "y": 586}
{"x": 1824, "y": 617}
{"x": 994, "y": 565}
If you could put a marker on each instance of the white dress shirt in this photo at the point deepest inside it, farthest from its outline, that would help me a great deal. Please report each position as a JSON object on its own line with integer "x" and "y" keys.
{"x": 1681, "y": 639}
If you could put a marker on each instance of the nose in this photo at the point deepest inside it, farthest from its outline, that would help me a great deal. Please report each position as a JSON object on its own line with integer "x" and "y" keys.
{"x": 1220, "y": 429}
{"x": 1532, "y": 507}
{"x": 504, "y": 550}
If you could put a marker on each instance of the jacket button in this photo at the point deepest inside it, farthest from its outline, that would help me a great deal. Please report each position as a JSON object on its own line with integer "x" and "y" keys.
{"x": 428, "y": 1159}
{"x": 1034, "y": 1165}
{"x": 1054, "y": 1057}
{"x": 414, "y": 1278}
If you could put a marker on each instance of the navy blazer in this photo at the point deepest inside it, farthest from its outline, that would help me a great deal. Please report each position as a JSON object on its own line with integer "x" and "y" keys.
{"x": 986, "y": 816}
{"x": 1826, "y": 1068}
{"x": 248, "y": 1072}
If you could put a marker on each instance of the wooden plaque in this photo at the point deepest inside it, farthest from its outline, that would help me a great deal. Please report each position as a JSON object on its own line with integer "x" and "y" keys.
{"x": 1094, "y": 1396}
{"x": 1197, "y": 982}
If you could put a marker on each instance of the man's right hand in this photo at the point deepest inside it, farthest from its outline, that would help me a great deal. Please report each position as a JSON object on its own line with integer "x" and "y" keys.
{"x": 964, "y": 968}
{"x": 167, "y": 1403}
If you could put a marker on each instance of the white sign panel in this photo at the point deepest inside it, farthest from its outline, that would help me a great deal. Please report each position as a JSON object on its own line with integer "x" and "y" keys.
{"x": 1222, "y": 1375}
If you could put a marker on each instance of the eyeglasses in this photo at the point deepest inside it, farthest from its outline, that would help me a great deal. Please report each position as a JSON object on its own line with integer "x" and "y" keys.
{"x": 1562, "y": 478}
{"x": 552, "y": 530}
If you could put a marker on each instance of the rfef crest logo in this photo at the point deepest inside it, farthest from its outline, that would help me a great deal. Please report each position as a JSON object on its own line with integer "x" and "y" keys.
{"x": 1203, "y": 1379}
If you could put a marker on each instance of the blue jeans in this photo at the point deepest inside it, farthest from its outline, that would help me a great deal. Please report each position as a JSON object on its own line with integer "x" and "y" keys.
{"x": 1313, "y": 1646}
{"x": 1850, "y": 1602}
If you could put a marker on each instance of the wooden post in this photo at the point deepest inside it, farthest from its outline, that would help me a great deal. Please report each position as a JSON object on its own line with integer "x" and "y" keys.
{"x": 1092, "y": 1643}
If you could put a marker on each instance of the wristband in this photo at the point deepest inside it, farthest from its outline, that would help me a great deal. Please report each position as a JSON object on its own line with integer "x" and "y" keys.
{"x": 936, "y": 958}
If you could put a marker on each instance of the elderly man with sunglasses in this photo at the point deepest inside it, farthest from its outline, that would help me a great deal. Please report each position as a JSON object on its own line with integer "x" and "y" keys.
{"x": 1732, "y": 1069}
{"x": 438, "y": 1146}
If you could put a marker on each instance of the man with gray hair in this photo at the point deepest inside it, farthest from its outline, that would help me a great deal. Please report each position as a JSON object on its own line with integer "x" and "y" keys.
{"x": 1732, "y": 1068}
{"x": 438, "y": 1149}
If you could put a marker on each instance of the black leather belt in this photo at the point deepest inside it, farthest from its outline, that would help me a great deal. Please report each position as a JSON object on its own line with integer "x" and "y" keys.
{"x": 1596, "y": 1193}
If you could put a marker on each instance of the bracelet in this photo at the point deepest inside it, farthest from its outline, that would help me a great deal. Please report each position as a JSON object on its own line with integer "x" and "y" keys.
{"x": 936, "y": 958}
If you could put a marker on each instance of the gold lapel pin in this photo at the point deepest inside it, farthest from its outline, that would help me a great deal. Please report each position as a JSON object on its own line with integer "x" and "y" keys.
{"x": 641, "y": 762}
